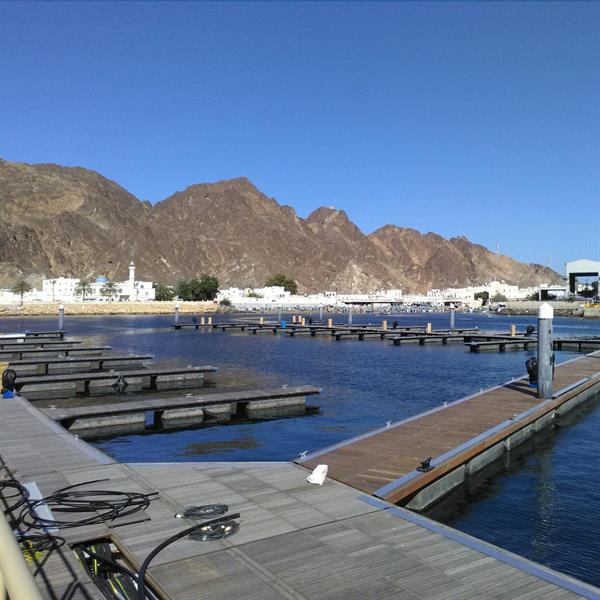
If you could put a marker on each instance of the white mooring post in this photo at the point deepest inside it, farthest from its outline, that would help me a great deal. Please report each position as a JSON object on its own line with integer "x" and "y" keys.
{"x": 176, "y": 321}
{"x": 349, "y": 314}
{"x": 452, "y": 317}
{"x": 545, "y": 351}
{"x": 61, "y": 318}
{"x": 279, "y": 316}
{"x": 320, "y": 313}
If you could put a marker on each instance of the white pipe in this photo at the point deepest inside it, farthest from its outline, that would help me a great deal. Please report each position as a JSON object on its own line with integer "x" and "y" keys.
{"x": 16, "y": 578}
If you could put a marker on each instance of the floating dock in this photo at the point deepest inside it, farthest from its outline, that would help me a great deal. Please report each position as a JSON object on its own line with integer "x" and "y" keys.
{"x": 17, "y": 353}
{"x": 566, "y": 343}
{"x": 54, "y": 364}
{"x": 295, "y": 540}
{"x": 461, "y": 438}
{"x": 68, "y": 385}
{"x": 191, "y": 409}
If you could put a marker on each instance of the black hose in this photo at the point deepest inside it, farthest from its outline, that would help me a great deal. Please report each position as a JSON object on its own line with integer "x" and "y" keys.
{"x": 167, "y": 542}
{"x": 110, "y": 563}
{"x": 31, "y": 543}
{"x": 101, "y": 505}
{"x": 23, "y": 493}
{"x": 204, "y": 511}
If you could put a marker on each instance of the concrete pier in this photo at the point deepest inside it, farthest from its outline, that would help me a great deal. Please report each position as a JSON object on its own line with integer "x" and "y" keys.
{"x": 180, "y": 417}
{"x": 105, "y": 426}
{"x": 276, "y": 407}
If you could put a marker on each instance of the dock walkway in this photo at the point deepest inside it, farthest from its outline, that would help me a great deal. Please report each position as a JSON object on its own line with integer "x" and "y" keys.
{"x": 17, "y": 353}
{"x": 66, "y": 416}
{"x": 385, "y": 462}
{"x": 43, "y": 365}
{"x": 11, "y": 343}
{"x": 296, "y": 541}
{"x": 113, "y": 381}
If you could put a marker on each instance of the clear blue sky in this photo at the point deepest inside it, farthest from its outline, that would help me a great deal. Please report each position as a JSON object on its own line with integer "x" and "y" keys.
{"x": 476, "y": 119}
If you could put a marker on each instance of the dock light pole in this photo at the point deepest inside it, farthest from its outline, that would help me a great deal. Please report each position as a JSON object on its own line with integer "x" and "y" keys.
{"x": 61, "y": 318}
{"x": 545, "y": 353}
{"x": 176, "y": 321}
{"x": 451, "y": 317}
{"x": 349, "y": 314}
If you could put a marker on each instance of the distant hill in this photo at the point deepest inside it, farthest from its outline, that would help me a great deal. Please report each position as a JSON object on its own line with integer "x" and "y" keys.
{"x": 66, "y": 221}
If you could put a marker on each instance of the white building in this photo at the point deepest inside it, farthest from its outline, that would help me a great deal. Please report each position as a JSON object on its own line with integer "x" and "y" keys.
{"x": 466, "y": 295}
{"x": 278, "y": 297}
{"x": 63, "y": 289}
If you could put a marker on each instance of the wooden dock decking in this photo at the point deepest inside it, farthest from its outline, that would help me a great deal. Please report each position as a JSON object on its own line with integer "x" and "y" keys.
{"x": 43, "y": 364}
{"x": 69, "y": 385}
{"x": 18, "y": 354}
{"x": 384, "y": 462}
{"x": 296, "y": 541}
{"x": 66, "y": 416}
{"x": 36, "y": 343}
{"x": 153, "y": 372}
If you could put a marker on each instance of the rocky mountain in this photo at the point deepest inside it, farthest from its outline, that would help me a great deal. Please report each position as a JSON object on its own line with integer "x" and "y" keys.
{"x": 65, "y": 221}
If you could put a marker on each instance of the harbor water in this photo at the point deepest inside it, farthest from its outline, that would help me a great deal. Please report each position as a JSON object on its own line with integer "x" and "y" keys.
{"x": 543, "y": 504}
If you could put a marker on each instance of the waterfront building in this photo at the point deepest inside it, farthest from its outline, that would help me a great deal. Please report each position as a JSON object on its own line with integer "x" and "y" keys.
{"x": 278, "y": 297}
{"x": 63, "y": 289}
{"x": 59, "y": 289}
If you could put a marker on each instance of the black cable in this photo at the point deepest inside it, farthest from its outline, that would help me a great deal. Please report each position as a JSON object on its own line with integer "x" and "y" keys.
{"x": 210, "y": 533}
{"x": 101, "y": 505}
{"x": 167, "y": 542}
{"x": 38, "y": 542}
{"x": 23, "y": 493}
{"x": 204, "y": 511}
{"x": 109, "y": 562}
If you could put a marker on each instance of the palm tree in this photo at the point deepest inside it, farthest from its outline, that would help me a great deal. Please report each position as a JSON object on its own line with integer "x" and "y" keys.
{"x": 21, "y": 287}
{"x": 82, "y": 288}
{"x": 110, "y": 290}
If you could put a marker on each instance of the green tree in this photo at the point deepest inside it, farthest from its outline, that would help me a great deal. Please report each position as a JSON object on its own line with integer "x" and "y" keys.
{"x": 163, "y": 293}
{"x": 499, "y": 298}
{"x": 205, "y": 288}
{"x": 281, "y": 280}
{"x": 182, "y": 289}
{"x": 82, "y": 288}
{"x": 225, "y": 303}
{"x": 208, "y": 287}
{"x": 110, "y": 290}
{"x": 21, "y": 287}
{"x": 483, "y": 296}
{"x": 253, "y": 294}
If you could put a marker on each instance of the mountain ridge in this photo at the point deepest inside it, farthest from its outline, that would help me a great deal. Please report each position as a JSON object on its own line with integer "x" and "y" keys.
{"x": 72, "y": 221}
